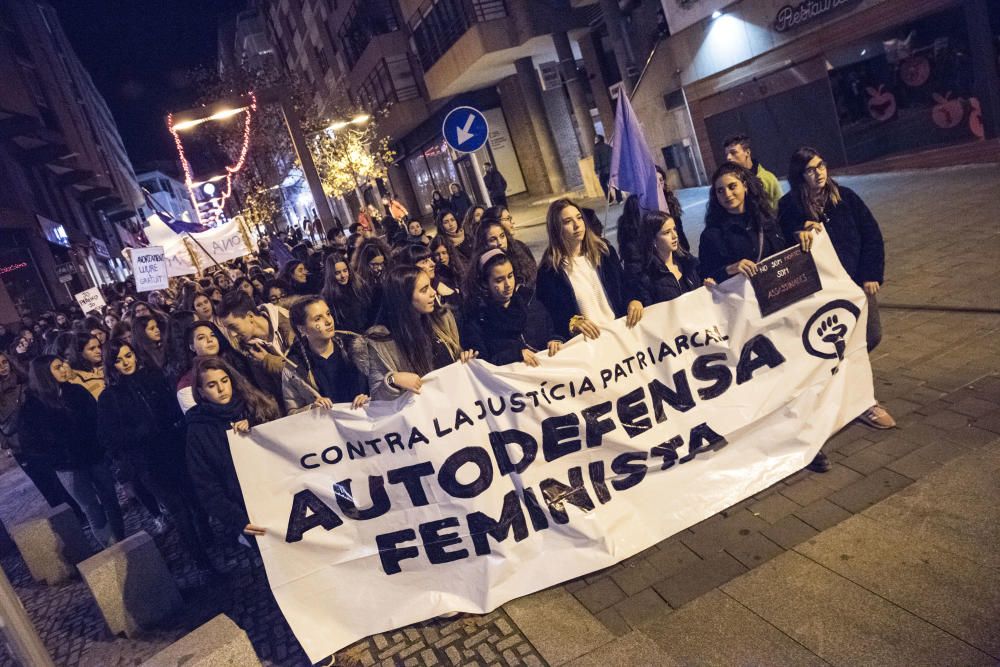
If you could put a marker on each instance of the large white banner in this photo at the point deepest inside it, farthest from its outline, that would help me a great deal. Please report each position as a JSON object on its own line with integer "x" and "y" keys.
{"x": 182, "y": 251}
{"x": 497, "y": 482}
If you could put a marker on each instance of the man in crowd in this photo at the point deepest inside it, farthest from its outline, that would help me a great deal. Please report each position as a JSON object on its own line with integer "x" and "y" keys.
{"x": 738, "y": 152}
{"x": 602, "y": 166}
{"x": 265, "y": 336}
{"x": 496, "y": 185}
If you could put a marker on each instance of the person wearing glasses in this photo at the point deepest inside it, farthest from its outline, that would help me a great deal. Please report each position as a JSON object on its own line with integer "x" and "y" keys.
{"x": 817, "y": 203}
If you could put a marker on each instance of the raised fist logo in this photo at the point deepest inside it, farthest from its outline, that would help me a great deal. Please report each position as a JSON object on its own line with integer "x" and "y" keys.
{"x": 825, "y": 334}
{"x": 831, "y": 330}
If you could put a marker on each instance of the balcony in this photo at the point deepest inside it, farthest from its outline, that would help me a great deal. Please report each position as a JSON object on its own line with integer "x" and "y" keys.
{"x": 392, "y": 84}
{"x": 465, "y": 45}
{"x": 365, "y": 20}
{"x": 438, "y": 24}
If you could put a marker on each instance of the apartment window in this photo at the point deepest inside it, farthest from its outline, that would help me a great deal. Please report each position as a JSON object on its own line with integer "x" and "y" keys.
{"x": 324, "y": 63}
{"x": 390, "y": 81}
{"x": 364, "y": 22}
{"x": 438, "y": 24}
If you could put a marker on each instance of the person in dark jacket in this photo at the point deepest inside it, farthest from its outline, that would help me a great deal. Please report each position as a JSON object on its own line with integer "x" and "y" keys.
{"x": 629, "y": 232}
{"x": 439, "y": 204}
{"x": 460, "y": 201}
{"x": 504, "y": 321}
{"x": 224, "y": 401}
{"x": 496, "y": 185}
{"x": 673, "y": 208}
{"x": 13, "y": 392}
{"x": 580, "y": 276}
{"x": 58, "y": 425}
{"x": 323, "y": 369}
{"x": 818, "y": 203}
{"x": 141, "y": 423}
{"x": 460, "y": 245}
{"x": 348, "y": 299}
{"x": 740, "y": 229}
{"x": 668, "y": 271}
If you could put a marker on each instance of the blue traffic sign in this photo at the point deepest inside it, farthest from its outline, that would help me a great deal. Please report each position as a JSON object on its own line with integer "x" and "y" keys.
{"x": 465, "y": 129}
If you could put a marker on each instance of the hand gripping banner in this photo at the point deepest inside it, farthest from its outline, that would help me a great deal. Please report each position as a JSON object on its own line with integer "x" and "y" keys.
{"x": 496, "y": 482}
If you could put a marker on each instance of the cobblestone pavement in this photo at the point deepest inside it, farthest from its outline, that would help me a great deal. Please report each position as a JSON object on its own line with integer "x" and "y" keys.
{"x": 937, "y": 372}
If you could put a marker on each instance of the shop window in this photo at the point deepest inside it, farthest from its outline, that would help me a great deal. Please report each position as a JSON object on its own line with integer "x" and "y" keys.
{"x": 20, "y": 277}
{"x": 908, "y": 88}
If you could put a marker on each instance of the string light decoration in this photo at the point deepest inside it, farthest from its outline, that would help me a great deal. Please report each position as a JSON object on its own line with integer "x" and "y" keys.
{"x": 215, "y": 205}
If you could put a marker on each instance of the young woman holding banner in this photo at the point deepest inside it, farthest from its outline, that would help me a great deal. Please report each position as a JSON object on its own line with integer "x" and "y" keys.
{"x": 224, "y": 401}
{"x": 668, "y": 271}
{"x": 503, "y": 319}
{"x": 580, "y": 276}
{"x": 324, "y": 371}
{"x": 816, "y": 202}
{"x": 417, "y": 335}
{"x": 740, "y": 229}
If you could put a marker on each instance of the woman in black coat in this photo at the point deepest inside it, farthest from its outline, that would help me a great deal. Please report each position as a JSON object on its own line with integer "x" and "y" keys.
{"x": 667, "y": 270}
{"x": 580, "y": 276}
{"x": 58, "y": 426}
{"x": 817, "y": 203}
{"x": 142, "y": 425}
{"x": 504, "y": 321}
{"x": 224, "y": 401}
{"x": 740, "y": 229}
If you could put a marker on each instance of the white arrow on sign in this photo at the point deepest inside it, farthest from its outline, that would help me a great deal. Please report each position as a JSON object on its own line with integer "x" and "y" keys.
{"x": 463, "y": 132}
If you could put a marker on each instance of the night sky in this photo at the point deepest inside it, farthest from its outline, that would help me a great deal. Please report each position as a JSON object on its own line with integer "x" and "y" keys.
{"x": 138, "y": 53}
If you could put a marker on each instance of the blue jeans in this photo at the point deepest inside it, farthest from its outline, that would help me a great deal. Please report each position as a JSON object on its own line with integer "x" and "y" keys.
{"x": 93, "y": 488}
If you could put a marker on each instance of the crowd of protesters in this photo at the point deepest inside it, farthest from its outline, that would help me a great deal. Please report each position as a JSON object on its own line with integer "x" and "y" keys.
{"x": 142, "y": 394}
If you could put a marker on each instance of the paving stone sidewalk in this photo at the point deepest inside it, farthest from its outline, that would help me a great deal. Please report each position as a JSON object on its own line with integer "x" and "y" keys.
{"x": 937, "y": 372}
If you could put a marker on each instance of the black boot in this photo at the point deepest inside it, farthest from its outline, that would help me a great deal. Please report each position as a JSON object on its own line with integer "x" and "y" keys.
{"x": 819, "y": 464}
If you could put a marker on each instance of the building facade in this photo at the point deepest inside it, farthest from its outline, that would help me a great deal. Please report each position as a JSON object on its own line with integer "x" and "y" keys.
{"x": 68, "y": 195}
{"x": 886, "y": 82}
{"x": 522, "y": 62}
{"x": 169, "y": 194}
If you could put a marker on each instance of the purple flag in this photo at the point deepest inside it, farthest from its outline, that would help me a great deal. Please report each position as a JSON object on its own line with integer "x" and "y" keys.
{"x": 632, "y": 166}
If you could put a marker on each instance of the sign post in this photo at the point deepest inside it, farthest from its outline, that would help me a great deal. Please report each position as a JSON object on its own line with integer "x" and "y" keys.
{"x": 466, "y": 131}
{"x": 149, "y": 266}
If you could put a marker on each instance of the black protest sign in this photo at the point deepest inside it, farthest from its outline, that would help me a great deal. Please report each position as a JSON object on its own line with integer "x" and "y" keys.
{"x": 785, "y": 278}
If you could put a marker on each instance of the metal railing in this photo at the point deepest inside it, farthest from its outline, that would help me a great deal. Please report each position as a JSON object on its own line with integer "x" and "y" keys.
{"x": 391, "y": 80}
{"x": 438, "y": 24}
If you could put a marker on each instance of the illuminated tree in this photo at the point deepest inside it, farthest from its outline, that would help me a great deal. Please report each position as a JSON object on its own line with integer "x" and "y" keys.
{"x": 261, "y": 205}
{"x": 350, "y": 155}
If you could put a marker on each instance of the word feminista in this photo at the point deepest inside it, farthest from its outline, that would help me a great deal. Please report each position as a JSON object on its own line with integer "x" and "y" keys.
{"x": 482, "y": 465}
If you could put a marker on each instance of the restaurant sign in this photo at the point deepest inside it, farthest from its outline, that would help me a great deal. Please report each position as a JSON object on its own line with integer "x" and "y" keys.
{"x": 795, "y": 16}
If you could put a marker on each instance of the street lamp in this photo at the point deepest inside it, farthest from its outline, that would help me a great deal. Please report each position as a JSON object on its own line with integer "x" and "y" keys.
{"x": 360, "y": 119}
{"x": 218, "y": 115}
